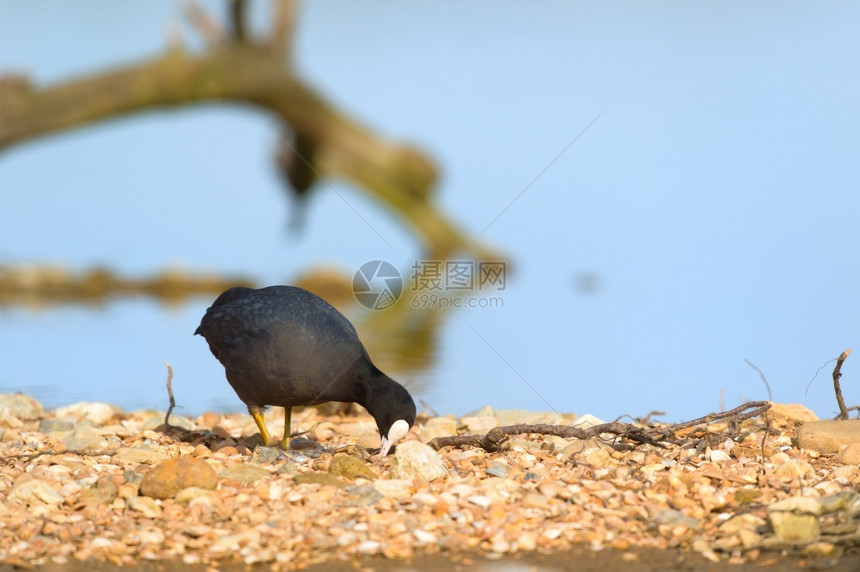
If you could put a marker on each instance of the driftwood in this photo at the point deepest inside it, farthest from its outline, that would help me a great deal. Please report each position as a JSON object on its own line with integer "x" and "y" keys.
{"x": 624, "y": 434}
{"x": 239, "y": 68}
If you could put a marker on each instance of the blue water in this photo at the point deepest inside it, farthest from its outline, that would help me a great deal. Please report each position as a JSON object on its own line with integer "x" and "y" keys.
{"x": 707, "y": 216}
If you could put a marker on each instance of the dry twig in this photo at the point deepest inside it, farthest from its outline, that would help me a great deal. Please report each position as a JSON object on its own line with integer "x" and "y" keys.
{"x": 169, "y": 394}
{"x": 837, "y": 373}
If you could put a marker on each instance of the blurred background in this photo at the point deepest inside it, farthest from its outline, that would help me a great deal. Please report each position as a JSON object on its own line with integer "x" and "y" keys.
{"x": 673, "y": 186}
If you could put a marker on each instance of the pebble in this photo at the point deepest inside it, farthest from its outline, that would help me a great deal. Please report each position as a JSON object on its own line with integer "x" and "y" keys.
{"x": 48, "y": 426}
{"x": 171, "y": 476}
{"x": 850, "y": 455}
{"x": 325, "y": 479}
{"x": 394, "y": 488}
{"x": 103, "y": 493}
{"x": 794, "y": 468}
{"x": 522, "y": 416}
{"x": 414, "y": 459}
{"x": 438, "y": 427}
{"x": 263, "y": 455}
{"x": 785, "y": 414}
{"x": 829, "y": 435}
{"x": 350, "y": 468}
{"x": 740, "y": 522}
{"x": 147, "y": 506}
{"x": 20, "y": 406}
{"x": 137, "y": 456}
{"x": 794, "y": 526}
{"x": 586, "y": 421}
{"x": 35, "y": 491}
{"x": 246, "y": 472}
{"x": 95, "y": 412}
{"x": 479, "y": 424}
{"x": 190, "y": 493}
{"x": 84, "y": 439}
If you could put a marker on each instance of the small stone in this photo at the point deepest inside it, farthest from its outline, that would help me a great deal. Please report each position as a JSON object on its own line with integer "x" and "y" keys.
{"x": 482, "y": 501}
{"x": 84, "y": 439}
{"x": 438, "y": 427}
{"x": 246, "y": 472}
{"x": 524, "y": 417}
{"x": 369, "y": 441}
{"x": 394, "y": 488}
{"x": 784, "y": 414}
{"x": 838, "y": 501}
{"x": 535, "y": 500}
{"x": 819, "y": 549}
{"x": 674, "y": 517}
{"x": 795, "y": 527}
{"x": 596, "y": 458}
{"x": 145, "y": 505}
{"x": 795, "y": 468}
{"x": 173, "y": 475}
{"x": 578, "y": 446}
{"x": 424, "y": 537}
{"x": 806, "y": 505}
{"x": 850, "y": 455}
{"x": 47, "y": 426}
{"x": 497, "y": 470}
{"x": 325, "y": 479}
{"x": 586, "y": 421}
{"x": 95, "y": 412}
{"x": 351, "y": 468}
{"x": 749, "y": 538}
{"x": 21, "y": 406}
{"x": 414, "y": 459}
{"x": 156, "y": 422}
{"x": 35, "y": 491}
{"x": 103, "y": 493}
{"x": 369, "y": 547}
{"x": 361, "y": 496}
{"x": 263, "y": 455}
{"x": 718, "y": 455}
{"x": 137, "y": 456}
{"x": 741, "y": 522}
{"x": 745, "y": 496}
{"x": 828, "y": 436}
{"x": 190, "y": 493}
{"x": 480, "y": 424}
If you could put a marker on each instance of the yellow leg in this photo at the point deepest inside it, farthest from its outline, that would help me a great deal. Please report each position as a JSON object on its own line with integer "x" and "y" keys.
{"x": 288, "y": 417}
{"x": 257, "y": 414}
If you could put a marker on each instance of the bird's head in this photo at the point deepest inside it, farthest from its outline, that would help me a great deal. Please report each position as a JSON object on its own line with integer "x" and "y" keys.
{"x": 395, "y": 415}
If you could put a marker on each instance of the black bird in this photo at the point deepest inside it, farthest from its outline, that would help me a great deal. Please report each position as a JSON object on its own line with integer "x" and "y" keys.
{"x": 285, "y": 346}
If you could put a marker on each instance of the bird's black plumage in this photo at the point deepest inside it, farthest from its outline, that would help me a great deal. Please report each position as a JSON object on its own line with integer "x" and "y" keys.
{"x": 285, "y": 346}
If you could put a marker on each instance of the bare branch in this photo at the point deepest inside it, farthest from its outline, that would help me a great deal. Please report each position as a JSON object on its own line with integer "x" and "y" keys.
{"x": 837, "y": 373}
{"x": 237, "y": 19}
{"x": 399, "y": 176}
{"x": 169, "y": 394}
{"x": 283, "y": 29}
{"x": 205, "y": 25}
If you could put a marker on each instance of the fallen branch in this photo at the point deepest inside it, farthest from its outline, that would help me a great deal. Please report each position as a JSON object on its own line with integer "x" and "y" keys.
{"x": 638, "y": 433}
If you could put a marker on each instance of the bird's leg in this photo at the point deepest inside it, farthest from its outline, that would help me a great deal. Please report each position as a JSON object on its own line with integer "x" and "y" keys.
{"x": 257, "y": 413}
{"x": 288, "y": 417}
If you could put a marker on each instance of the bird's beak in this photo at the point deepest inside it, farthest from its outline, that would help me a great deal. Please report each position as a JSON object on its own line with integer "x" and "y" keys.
{"x": 386, "y": 446}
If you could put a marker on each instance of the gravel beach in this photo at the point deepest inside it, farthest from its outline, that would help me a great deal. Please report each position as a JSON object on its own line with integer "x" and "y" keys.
{"x": 90, "y": 485}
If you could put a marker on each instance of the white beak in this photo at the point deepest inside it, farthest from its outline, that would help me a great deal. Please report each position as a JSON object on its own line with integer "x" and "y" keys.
{"x": 386, "y": 445}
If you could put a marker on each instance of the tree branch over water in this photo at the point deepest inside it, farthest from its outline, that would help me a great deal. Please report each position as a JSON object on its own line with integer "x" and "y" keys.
{"x": 242, "y": 70}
